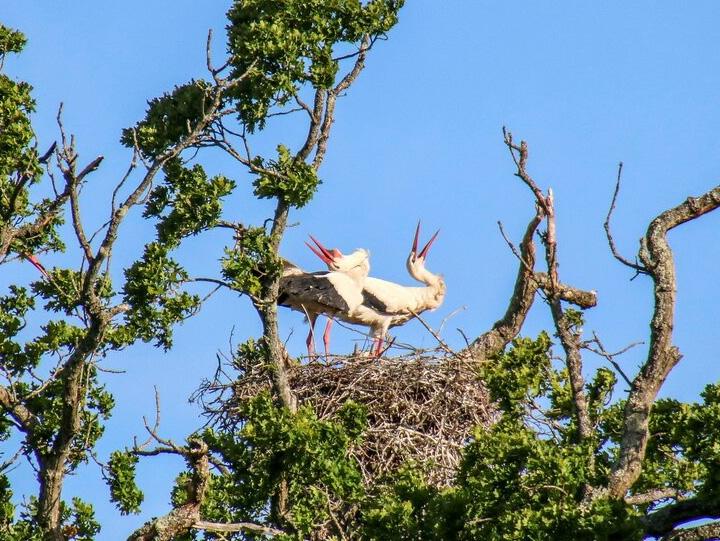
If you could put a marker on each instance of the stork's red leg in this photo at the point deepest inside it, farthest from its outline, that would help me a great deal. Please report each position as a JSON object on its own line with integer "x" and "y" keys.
{"x": 326, "y": 336}
{"x": 377, "y": 346}
{"x": 310, "y": 342}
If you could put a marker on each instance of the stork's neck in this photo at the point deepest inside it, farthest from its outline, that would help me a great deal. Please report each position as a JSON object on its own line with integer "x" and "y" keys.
{"x": 433, "y": 294}
{"x": 357, "y": 274}
{"x": 421, "y": 274}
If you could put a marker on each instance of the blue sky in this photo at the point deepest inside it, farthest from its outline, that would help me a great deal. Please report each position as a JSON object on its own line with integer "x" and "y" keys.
{"x": 418, "y": 137}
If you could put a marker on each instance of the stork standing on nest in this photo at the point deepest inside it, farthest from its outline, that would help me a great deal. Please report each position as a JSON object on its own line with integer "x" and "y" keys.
{"x": 335, "y": 293}
{"x": 387, "y": 304}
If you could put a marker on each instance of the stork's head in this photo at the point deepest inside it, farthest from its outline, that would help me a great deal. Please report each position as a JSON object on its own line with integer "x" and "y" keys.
{"x": 356, "y": 264}
{"x": 416, "y": 260}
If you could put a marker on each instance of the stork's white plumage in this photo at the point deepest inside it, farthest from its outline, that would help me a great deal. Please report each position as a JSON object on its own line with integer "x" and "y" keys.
{"x": 331, "y": 293}
{"x": 388, "y": 304}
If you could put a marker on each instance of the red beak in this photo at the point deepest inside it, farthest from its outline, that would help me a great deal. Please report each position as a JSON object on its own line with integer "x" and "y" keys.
{"x": 423, "y": 253}
{"x": 34, "y": 260}
{"x": 328, "y": 256}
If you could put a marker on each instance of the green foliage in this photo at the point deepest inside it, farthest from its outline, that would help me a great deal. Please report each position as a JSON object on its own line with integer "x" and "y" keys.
{"x": 13, "y": 309}
{"x": 519, "y": 375}
{"x": 287, "y": 179}
{"x": 523, "y": 477}
{"x": 17, "y": 157}
{"x": 513, "y": 486}
{"x": 405, "y": 507}
{"x": 123, "y": 489}
{"x": 168, "y": 119}
{"x": 529, "y": 487}
{"x": 58, "y": 337}
{"x": 48, "y": 406}
{"x": 252, "y": 263}
{"x": 574, "y": 319}
{"x": 7, "y": 509}
{"x": 250, "y": 355}
{"x": 599, "y": 392}
{"x": 285, "y": 44}
{"x": 64, "y": 291}
{"x": 274, "y": 444}
{"x": 80, "y": 521}
{"x": 19, "y": 161}
{"x": 152, "y": 290}
{"x": 11, "y": 41}
{"x": 24, "y": 529}
{"x": 193, "y": 199}
{"x": 683, "y": 452}
{"x": 77, "y": 523}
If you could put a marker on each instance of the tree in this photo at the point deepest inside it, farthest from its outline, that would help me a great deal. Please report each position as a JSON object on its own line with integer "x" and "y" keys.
{"x": 278, "y": 52}
{"x": 559, "y": 457}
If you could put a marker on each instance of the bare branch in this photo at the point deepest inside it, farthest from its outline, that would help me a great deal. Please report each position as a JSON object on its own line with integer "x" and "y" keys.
{"x": 432, "y": 331}
{"x": 652, "y": 496}
{"x": 89, "y": 168}
{"x": 75, "y": 212}
{"x": 579, "y": 297}
{"x": 519, "y": 155}
{"x": 183, "y": 518}
{"x": 656, "y": 255}
{"x": 504, "y": 330}
{"x": 316, "y": 114}
{"x": 342, "y": 86}
{"x": 346, "y": 81}
{"x": 611, "y": 356}
{"x": 236, "y": 527}
{"x": 616, "y": 254}
{"x": 46, "y": 157}
{"x": 569, "y": 337}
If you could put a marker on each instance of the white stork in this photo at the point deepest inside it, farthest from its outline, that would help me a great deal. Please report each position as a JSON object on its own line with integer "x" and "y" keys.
{"x": 333, "y": 293}
{"x": 387, "y": 304}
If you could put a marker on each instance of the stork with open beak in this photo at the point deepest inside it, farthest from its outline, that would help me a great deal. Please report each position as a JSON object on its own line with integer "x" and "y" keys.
{"x": 387, "y": 304}
{"x": 335, "y": 293}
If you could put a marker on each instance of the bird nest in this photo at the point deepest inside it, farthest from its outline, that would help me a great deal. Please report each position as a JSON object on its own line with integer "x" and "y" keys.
{"x": 421, "y": 407}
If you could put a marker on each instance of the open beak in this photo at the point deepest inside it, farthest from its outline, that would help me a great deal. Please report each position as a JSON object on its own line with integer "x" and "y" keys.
{"x": 36, "y": 263}
{"x": 424, "y": 252}
{"x": 328, "y": 256}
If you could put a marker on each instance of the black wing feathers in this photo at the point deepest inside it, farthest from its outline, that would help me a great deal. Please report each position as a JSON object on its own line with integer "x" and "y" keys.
{"x": 311, "y": 290}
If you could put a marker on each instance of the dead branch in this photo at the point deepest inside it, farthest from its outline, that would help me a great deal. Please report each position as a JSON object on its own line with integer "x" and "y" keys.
{"x": 613, "y": 248}
{"x": 181, "y": 519}
{"x": 611, "y": 356}
{"x": 578, "y": 297}
{"x": 504, "y": 330}
{"x": 432, "y": 331}
{"x": 569, "y": 338}
{"x": 656, "y": 256}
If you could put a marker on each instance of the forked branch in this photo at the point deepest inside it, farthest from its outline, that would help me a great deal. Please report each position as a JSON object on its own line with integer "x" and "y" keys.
{"x": 611, "y": 241}
{"x": 657, "y": 257}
